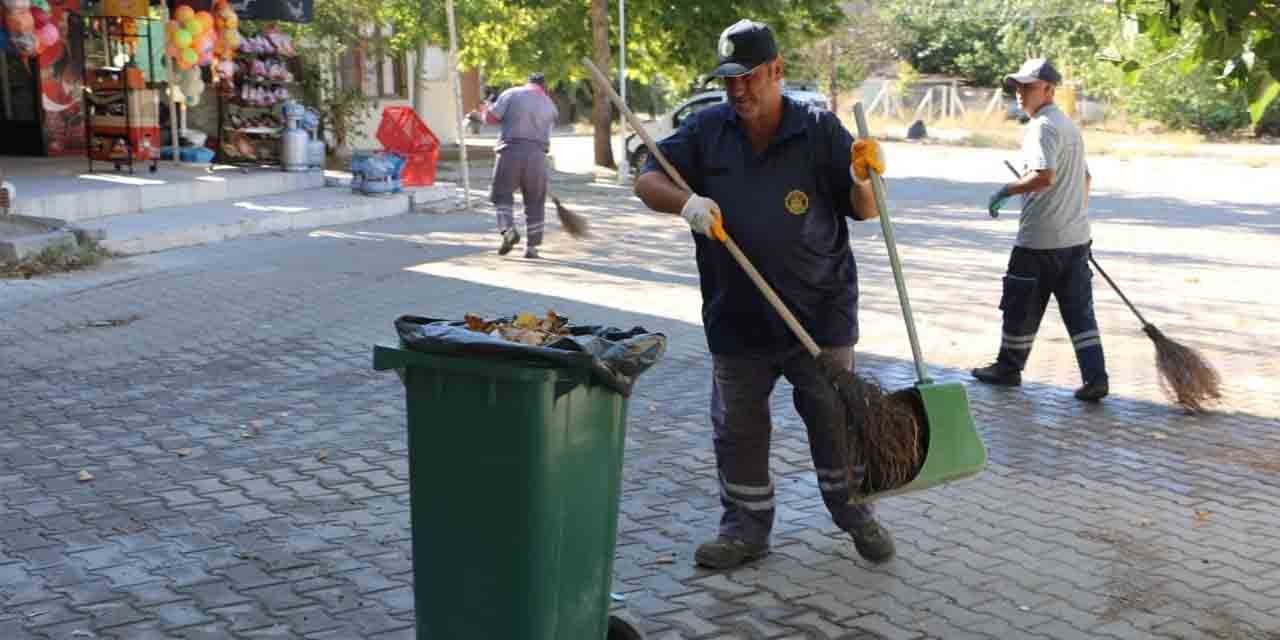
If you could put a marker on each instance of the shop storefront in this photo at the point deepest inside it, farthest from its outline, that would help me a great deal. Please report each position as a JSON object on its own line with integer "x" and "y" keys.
{"x": 109, "y": 79}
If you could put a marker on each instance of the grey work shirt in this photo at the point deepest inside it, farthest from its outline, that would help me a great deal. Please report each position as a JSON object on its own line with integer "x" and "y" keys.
{"x": 1054, "y": 218}
{"x": 527, "y": 115}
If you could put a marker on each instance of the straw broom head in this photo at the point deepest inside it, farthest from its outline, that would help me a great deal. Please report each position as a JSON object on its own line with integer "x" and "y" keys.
{"x": 882, "y": 439}
{"x": 571, "y": 222}
{"x": 1185, "y": 376}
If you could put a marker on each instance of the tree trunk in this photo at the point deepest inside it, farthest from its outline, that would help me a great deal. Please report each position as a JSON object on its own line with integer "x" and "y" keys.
{"x": 833, "y": 86}
{"x": 600, "y": 112}
{"x": 419, "y": 86}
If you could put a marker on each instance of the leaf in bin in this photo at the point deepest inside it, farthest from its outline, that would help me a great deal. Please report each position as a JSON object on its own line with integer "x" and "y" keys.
{"x": 553, "y": 323}
{"x": 476, "y": 323}
{"x": 523, "y": 336}
{"x": 525, "y": 320}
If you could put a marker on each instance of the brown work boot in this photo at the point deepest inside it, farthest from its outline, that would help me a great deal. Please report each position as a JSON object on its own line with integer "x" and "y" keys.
{"x": 999, "y": 375}
{"x": 1093, "y": 391}
{"x": 873, "y": 541}
{"x": 728, "y": 553}
{"x": 510, "y": 238}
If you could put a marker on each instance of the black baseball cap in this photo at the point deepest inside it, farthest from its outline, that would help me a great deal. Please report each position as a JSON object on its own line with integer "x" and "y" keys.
{"x": 744, "y": 46}
{"x": 537, "y": 78}
{"x": 1031, "y": 71}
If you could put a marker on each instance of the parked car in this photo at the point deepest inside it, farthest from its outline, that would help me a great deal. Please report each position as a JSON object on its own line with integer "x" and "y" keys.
{"x": 667, "y": 123}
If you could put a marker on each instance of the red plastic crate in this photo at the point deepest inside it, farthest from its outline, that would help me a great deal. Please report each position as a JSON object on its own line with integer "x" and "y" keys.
{"x": 420, "y": 168}
{"x": 402, "y": 131}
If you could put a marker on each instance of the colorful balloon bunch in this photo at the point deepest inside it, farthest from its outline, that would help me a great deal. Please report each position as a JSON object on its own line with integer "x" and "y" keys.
{"x": 227, "y": 25}
{"x": 31, "y": 30}
{"x": 191, "y": 38}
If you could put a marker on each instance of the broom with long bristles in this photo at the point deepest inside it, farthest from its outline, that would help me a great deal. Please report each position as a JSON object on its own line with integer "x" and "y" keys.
{"x": 573, "y": 223}
{"x": 1185, "y": 376}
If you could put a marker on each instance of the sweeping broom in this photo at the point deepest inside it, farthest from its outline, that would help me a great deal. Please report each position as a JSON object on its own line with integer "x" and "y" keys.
{"x": 1185, "y": 376}
{"x": 867, "y": 406}
{"x": 573, "y": 223}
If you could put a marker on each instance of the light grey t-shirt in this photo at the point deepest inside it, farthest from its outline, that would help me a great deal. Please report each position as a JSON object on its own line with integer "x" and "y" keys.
{"x": 527, "y": 115}
{"x": 1054, "y": 218}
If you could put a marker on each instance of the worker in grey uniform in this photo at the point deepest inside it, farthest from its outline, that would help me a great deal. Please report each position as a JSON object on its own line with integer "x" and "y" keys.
{"x": 527, "y": 115}
{"x": 1051, "y": 254}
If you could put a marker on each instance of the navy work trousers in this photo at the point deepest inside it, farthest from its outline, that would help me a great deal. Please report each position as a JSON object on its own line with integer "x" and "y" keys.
{"x": 1032, "y": 276}
{"x": 740, "y": 415}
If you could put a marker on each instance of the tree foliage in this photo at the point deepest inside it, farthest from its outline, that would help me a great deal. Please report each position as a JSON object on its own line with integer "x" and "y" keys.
{"x": 1239, "y": 38}
{"x": 842, "y": 60}
{"x": 982, "y": 40}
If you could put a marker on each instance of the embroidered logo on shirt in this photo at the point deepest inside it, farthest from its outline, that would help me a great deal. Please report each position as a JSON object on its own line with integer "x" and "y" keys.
{"x": 797, "y": 202}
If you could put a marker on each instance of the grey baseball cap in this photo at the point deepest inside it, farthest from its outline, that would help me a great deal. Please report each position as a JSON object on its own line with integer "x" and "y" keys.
{"x": 744, "y": 46}
{"x": 1031, "y": 71}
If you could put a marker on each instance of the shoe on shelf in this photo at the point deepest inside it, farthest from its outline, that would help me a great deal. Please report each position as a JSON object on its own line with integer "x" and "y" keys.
{"x": 509, "y": 239}
{"x": 728, "y": 553}
{"x": 1093, "y": 391}
{"x": 999, "y": 375}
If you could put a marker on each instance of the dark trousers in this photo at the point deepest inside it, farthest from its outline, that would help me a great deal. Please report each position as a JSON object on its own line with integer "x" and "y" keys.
{"x": 1033, "y": 275}
{"x": 524, "y": 167}
{"x": 740, "y": 415}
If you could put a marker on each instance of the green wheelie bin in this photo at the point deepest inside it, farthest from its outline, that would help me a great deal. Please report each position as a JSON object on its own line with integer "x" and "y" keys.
{"x": 515, "y": 474}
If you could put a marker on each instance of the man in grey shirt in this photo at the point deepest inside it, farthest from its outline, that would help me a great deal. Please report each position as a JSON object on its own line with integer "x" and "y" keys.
{"x": 1051, "y": 254}
{"x": 527, "y": 115}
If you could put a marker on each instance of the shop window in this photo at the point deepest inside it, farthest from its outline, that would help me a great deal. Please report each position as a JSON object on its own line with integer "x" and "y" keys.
{"x": 375, "y": 71}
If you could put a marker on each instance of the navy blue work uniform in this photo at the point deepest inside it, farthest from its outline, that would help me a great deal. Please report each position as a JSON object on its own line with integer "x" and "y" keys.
{"x": 787, "y": 208}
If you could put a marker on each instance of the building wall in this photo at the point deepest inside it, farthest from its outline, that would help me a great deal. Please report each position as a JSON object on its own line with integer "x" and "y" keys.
{"x": 441, "y": 107}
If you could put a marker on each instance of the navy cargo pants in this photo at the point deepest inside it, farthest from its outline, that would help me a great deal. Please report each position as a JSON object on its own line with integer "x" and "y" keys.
{"x": 740, "y": 415}
{"x": 1032, "y": 276}
{"x": 521, "y": 165}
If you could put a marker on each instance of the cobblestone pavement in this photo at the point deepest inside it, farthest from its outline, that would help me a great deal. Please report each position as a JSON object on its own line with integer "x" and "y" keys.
{"x": 249, "y": 468}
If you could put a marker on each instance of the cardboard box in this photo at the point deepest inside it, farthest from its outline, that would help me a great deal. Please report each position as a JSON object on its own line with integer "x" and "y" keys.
{"x": 129, "y": 8}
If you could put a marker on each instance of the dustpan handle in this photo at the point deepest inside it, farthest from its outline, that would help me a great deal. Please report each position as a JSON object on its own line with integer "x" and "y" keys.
{"x": 877, "y": 187}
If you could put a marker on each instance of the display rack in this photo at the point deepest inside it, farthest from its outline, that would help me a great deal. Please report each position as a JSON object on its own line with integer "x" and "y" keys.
{"x": 249, "y": 120}
{"x": 122, "y": 104}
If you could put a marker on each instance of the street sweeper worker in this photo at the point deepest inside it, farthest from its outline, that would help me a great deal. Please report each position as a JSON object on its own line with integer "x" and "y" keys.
{"x": 778, "y": 176}
{"x": 527, "y": 115}
{"x": 1051, "y": 253}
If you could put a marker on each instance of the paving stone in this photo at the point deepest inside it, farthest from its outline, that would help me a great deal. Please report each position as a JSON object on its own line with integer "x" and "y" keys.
{"x": 1081, "y": 508}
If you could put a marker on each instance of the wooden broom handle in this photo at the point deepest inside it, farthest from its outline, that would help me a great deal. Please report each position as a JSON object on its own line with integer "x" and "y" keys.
{"x": 778, "y": 305}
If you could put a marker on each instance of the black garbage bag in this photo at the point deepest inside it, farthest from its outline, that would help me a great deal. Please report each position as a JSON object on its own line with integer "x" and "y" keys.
{"x": 614, "y": 357}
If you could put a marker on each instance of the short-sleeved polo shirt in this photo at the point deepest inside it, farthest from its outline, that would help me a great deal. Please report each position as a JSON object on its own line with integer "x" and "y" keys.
{"x": 786, "y": 208}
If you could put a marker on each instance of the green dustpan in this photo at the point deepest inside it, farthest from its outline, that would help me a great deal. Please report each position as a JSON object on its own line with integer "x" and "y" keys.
{"x": 953, "y": 448}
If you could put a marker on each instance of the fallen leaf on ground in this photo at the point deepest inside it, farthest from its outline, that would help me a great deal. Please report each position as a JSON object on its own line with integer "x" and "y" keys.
{"x": 183, "y": 452}
{"x": 1159, "y": 436}
{"x": 84, "y": 475}
{"x": 668, "y": 558}
{"x": 1202, "y": 515}
{"x": 323, "y": 455}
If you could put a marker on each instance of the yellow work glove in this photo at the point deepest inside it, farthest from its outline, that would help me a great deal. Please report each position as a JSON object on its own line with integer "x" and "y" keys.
{"x": 867, "y": 155}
